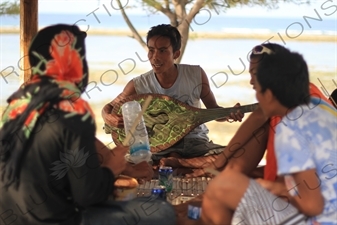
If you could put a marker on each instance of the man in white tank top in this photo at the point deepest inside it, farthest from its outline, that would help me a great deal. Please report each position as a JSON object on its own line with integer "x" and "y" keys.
{"x": 187, "y": 83}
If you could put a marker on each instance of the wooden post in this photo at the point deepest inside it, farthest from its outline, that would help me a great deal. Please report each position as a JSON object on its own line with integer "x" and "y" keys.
{"x": 28, "y": 29}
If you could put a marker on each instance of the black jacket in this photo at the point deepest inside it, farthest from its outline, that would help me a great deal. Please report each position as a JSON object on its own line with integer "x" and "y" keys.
{"x": 60, "y": 174}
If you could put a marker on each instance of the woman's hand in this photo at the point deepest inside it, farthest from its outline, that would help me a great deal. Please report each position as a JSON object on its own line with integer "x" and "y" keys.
{"x": 116, "y": 162}
{"x": 140, "y": 171}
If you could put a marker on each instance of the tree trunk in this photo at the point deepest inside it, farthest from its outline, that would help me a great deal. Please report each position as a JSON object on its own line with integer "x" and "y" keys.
{"x": 185, "y": 24}
{"x": 28, "y": 29}
{"x": 135, "y": 33}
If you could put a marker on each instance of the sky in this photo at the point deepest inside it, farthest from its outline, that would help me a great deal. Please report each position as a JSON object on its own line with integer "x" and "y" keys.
{"x": 87, "y": 6}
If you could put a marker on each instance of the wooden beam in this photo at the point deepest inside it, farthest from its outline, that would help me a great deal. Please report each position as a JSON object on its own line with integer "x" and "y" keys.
{"x": 28, "y": 29}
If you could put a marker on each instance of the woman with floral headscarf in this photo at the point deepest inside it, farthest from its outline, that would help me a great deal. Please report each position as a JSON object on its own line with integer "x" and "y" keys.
{"x": 52, "y": 166}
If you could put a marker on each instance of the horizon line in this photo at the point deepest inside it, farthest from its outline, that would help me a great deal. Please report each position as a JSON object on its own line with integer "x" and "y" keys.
{"x": 155, "y": 14}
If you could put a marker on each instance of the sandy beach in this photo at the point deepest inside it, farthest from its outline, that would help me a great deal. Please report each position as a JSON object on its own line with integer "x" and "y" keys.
{"x": 219, "y": 132}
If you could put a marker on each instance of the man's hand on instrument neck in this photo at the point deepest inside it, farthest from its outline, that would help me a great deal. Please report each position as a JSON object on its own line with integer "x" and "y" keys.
{"x": 235, "y": 116}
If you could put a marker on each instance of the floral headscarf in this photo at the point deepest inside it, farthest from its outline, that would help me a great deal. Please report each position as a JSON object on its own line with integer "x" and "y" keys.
{"x": 59, "y": 76}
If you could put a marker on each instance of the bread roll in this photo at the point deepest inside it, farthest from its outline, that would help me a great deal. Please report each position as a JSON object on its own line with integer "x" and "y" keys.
{"x": 126, "y": 188}
{"x": 123, "y": 181}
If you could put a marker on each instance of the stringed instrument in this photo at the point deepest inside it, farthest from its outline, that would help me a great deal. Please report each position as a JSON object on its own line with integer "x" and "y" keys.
{"x": 168, "y": 120}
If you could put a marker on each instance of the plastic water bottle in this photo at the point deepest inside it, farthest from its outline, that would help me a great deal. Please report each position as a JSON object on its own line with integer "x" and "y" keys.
{"x": 139, "y": 141}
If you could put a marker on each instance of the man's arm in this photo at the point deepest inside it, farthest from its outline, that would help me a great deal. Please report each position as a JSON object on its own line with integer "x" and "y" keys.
{"x": 206, "y": 95}
{"x": 249, "y": 139}
{"x": 208, "y": 98}
{"x": 246, "y": 148}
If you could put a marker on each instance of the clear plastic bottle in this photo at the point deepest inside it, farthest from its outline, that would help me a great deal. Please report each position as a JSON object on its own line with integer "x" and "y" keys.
{"x": 139, "y": 141}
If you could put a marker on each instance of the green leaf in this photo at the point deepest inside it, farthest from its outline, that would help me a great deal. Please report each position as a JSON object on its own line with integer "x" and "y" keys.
{"x": 10, "y": 8}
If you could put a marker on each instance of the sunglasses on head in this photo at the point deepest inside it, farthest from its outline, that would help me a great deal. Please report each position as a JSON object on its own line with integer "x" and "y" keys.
{"x": 260, "y": 49}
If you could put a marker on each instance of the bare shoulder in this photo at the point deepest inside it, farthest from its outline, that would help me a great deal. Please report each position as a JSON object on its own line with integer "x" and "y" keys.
{"x": 129, "y": 89}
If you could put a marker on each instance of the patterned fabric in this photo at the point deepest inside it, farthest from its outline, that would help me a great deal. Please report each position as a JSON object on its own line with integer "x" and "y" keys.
{"x": 307, "y": 139}
{"x": 259, "y": 206}
{"x": 271, "y": 165}
{"x": 59, "y": 76}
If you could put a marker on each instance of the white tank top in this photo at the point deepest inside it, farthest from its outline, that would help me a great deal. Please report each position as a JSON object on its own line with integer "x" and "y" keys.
{"x": 186, "y": 88}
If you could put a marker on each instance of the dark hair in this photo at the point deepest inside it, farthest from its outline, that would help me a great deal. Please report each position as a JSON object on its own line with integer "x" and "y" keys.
{"x": 166, "y": 30}
{"x": 274, "y": 48}
{"x": 333, "y": 98}
{"x": 286, "y": 74}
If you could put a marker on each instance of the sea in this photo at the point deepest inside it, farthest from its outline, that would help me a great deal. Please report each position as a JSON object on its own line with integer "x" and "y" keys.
{"x": 224, "y": 60}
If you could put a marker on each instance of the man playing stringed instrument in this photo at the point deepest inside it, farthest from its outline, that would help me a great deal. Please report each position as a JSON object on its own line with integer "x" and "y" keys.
{"x": 187, "y": 83}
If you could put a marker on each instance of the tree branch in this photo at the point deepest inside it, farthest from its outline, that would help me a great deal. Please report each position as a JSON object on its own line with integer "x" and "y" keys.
{"x": 9, "y": 8}
{"x": 166, "y": 11}
{"x": 135, "y": 33}
{"x": 182, "y": 19}
{"x": 184, "y": 25}
{"x": 167, "y": 4}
